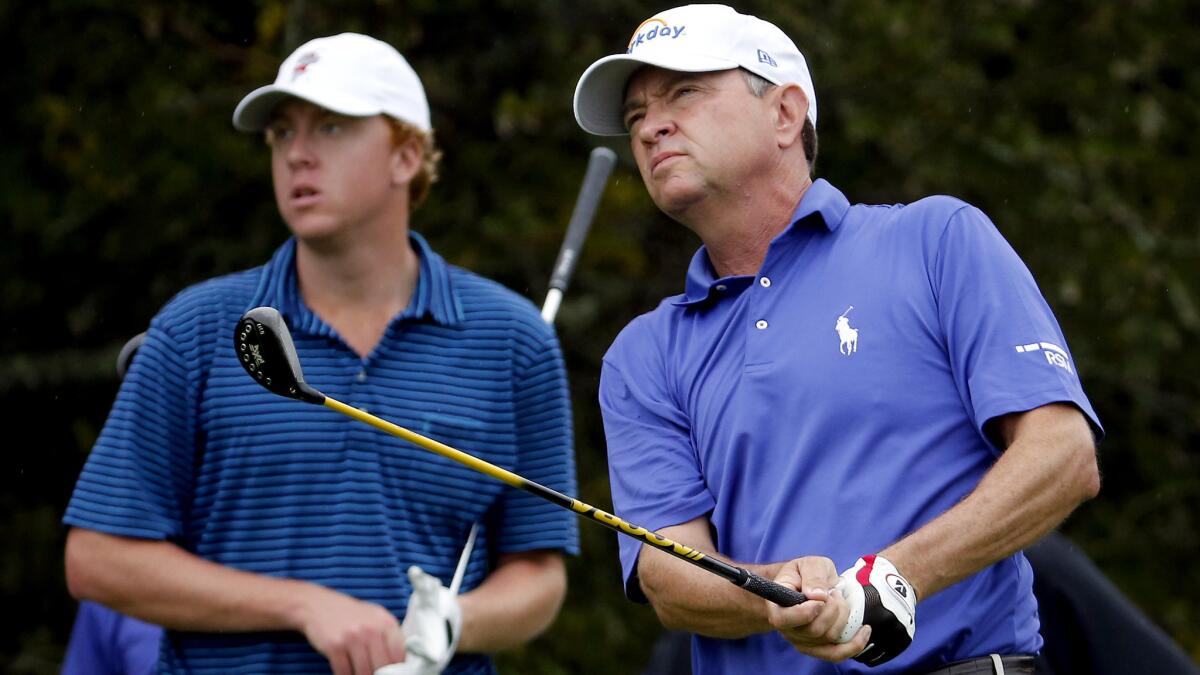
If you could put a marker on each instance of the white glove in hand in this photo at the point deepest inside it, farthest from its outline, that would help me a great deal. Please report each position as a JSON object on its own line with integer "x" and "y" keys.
{"x": 882, "y": 599}
{"x": 432, "y": 626}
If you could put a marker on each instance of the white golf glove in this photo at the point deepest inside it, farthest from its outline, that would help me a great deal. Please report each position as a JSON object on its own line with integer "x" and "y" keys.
{"x": 882, "y": 599}
{"x": 432, "y": 626}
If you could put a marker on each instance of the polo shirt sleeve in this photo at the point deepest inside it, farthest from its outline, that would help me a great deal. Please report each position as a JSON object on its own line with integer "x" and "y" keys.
{"x": 653, "y": 469}
{"x": 545, "y": 455}
{"x": 138, "y": 476}
{"x": 1006, "y": 349}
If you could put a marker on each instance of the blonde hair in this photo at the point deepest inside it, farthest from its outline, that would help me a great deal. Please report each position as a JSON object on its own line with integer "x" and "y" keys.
{"x": 427, "y": 175}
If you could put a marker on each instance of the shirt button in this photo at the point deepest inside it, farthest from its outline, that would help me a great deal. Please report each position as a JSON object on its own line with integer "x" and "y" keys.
{"x": 362, "y": 376}
{"x": 761, "y": 324}
{"x": 721, "y": 287}
{"x": 765, "y": 282}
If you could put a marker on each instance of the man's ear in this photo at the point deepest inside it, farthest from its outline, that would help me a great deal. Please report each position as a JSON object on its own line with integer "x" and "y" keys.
{"x": 791, "y": 109}
{"x": 406, "y": 160}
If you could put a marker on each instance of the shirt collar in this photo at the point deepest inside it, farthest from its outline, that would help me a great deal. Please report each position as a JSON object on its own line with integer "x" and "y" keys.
{"x": 822, "y": 204}
{"x": 433, "y": 298}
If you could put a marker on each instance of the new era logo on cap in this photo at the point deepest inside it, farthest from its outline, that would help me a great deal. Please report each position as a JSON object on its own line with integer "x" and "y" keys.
{"x": 764, "y": 57}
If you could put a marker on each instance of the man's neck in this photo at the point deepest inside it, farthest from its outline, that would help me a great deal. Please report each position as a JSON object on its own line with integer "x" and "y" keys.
{"x": 358, "y": 287}
{"x": 737, "y": 234}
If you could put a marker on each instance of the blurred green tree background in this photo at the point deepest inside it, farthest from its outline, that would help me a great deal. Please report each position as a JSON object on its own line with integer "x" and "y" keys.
{"x": 1072, "y": 124}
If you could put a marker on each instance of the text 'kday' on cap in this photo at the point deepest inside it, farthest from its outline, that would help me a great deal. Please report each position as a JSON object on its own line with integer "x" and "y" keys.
{"x": 690, "y": 39}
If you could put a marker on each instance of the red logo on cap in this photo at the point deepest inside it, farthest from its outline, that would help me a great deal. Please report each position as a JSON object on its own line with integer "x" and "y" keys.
{"x": 303, "y": 64}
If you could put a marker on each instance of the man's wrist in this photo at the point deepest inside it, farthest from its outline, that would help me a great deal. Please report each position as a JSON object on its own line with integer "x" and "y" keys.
{"x": 298, "y": 600}
{"x": 907, "y": 568}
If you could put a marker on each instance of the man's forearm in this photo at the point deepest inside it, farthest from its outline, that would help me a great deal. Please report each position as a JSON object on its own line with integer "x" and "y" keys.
{"x": 159, "y": 582}
{"x": 688, "y": 598}
{"x": 516, "y": 603}
{"x": 1048, "y": 470}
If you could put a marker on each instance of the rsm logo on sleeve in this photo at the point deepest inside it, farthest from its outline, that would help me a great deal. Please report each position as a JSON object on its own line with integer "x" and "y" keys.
{"x": 1055, "y": 355}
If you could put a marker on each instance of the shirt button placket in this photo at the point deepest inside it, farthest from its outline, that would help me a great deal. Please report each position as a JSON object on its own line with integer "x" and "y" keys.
{"x": 360, "y": 378}
{"x": 762, "y": 324}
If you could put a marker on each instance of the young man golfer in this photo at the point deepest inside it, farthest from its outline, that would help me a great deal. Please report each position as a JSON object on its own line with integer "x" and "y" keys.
{"x": 271, "y": 537}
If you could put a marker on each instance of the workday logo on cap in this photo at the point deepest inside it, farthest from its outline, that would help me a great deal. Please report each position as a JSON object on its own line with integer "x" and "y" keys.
{"x": 653, "y": 29}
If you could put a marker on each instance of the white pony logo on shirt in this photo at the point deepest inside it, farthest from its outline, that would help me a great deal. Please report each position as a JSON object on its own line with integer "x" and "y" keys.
{"x": 848, "y": 335}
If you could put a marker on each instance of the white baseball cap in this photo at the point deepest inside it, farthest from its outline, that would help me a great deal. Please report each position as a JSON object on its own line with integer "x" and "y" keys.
{"x": 350, "y": 74}
{"x": 691, "y": 39}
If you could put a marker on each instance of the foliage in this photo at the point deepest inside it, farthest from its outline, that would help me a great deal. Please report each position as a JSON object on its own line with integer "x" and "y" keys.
{"x": 1070, "y": 123}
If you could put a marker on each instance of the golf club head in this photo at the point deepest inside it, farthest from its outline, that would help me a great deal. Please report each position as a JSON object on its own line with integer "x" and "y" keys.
{"x": 264, "y": 348}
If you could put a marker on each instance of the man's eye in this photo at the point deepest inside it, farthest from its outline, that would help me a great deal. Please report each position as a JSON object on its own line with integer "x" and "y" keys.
{"x": 632, "y": 120}
{"x": 684, "y": 91}
{"x": 331, "y": 128}
{"x": 276, "y": 134}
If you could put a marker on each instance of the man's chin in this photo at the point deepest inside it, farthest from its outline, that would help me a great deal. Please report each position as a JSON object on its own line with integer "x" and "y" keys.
{"x": 310, "y": 225}
{"x": 679, "y": 200}
{"x": 316, "y": 232}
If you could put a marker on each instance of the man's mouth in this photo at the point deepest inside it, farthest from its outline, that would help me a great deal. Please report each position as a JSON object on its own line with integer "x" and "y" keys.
{"x": 659, "y": 159}
{"x": 304, "y": 196}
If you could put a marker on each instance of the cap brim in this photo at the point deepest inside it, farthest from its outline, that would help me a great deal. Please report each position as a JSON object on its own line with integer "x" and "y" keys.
{"x": 600, "y": 94}
{"x": 253, "y": 113}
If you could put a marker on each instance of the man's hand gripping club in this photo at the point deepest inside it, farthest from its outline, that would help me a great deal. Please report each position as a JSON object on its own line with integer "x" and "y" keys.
{"x": 881, "y": 598}
{"x": 867, "y": 613}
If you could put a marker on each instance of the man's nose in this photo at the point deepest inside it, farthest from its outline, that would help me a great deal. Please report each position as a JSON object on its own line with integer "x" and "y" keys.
{"x": 656, "y": 123}
{"x": 299, "y": 149}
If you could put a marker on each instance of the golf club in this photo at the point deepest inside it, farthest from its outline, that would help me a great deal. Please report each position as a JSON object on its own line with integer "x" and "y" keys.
{"x": 125, "y": 358}
{"x": 600, "y": 165}
{"x": 264, "y": 348}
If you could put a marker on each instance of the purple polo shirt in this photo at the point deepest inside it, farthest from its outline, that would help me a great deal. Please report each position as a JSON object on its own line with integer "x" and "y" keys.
{"x": 836, "y": 402}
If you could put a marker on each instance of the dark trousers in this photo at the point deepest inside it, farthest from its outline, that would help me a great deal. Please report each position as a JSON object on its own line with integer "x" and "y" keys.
{"x": 1020, "y": 664}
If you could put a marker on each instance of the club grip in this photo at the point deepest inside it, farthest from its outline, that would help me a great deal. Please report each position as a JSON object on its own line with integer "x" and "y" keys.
{"x": 776, "y": 593}
{"x": 600, "y": 165}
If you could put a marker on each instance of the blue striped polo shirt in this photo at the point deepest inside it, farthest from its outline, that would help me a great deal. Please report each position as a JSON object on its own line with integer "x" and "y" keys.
{"x": 197, "y": 453}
